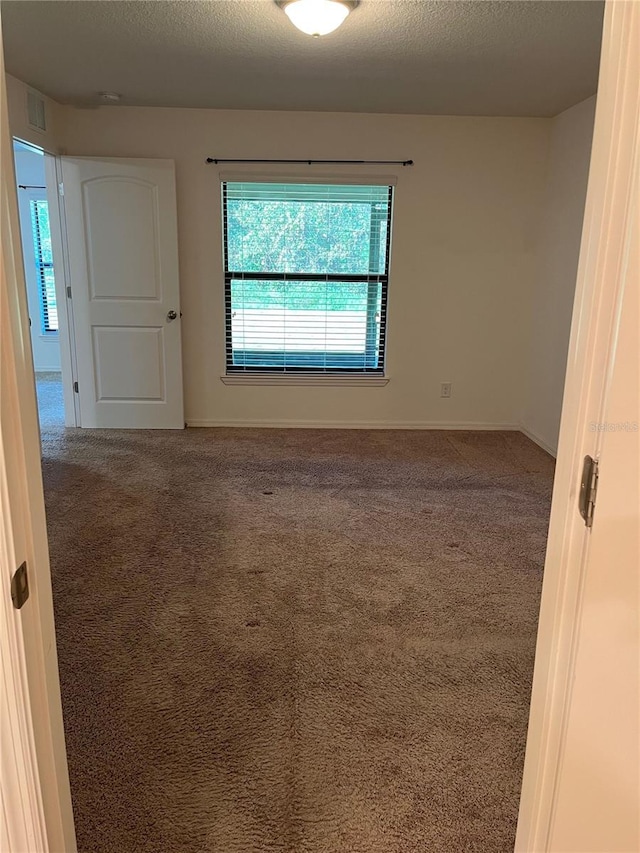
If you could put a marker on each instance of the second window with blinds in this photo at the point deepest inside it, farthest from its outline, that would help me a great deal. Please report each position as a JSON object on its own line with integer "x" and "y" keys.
{"x": 306, "y": 277}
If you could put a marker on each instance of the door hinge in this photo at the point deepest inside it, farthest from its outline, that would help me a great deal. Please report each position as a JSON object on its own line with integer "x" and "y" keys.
{"x": 61, "y": 188}
{"x": 20, "y": 586}
{"x": 68, "y": 292}
{"x": 588, "y": 489}
{"x": 75, "y": 387}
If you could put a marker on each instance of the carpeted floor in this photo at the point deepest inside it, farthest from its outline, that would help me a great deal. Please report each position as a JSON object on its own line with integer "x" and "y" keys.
{"x": 296, "y": 641}
{"x": 50, "y": 399}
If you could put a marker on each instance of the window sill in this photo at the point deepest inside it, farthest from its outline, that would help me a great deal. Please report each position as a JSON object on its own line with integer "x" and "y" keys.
{"x": 316, "y": 379}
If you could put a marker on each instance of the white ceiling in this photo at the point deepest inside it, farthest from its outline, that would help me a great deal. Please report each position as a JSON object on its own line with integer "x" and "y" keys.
{"x": 392, "y": 56}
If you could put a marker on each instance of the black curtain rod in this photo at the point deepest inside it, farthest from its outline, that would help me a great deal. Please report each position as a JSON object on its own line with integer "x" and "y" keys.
{"x": 30, "y": 187}
{"x": 322, "y": 162}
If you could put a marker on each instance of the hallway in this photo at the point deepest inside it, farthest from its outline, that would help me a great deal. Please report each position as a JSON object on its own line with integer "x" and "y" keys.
{"x": 50, "y": 400}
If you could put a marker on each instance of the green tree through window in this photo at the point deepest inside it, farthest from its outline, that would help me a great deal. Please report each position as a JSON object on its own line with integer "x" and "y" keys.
{"x": 306, "y": 271}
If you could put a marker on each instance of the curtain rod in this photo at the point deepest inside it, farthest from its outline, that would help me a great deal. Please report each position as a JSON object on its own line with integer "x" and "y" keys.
{"x": 30, "y": 187}
{"x": 322, "y": 162}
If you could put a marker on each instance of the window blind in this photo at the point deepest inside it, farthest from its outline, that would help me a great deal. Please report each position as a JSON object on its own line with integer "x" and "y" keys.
{"x": 44, "y": 264}
{"x": 306, "y": 276}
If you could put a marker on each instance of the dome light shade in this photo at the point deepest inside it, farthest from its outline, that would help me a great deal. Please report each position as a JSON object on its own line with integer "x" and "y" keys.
{"x": 317, "y": 17}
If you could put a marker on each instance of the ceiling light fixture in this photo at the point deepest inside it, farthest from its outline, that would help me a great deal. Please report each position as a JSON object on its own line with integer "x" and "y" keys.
{"x": 317, "y": 17}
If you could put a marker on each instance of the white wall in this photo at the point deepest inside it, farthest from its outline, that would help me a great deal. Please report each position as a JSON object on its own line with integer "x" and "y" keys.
{"x": 18, "y": 123}
{"x": 462, "y": 259}
{"x": 557, "y": 265}
{"x": 30, "y": 172}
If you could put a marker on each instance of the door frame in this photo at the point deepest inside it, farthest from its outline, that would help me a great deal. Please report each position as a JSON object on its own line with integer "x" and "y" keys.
{"x": 57, "y": 223}
{"x": 39, "y": 787}
{"x": 590, "y": 349}
{"x": 599, "y": 289}
{"x": 66, "y": 338}
{"x": 23, "y": 826}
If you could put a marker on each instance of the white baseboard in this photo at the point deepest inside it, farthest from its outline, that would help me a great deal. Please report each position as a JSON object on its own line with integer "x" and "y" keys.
{"x": 296, "y": 424}
{"x": 552, "y": 451}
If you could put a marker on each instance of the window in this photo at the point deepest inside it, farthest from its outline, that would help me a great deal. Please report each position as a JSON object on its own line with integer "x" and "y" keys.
{"x": 44, "y": 265}
{"x": 306, "y": 274}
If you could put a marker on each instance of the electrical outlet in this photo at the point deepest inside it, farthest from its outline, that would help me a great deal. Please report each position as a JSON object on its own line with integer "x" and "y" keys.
{"x": 445, "y": 389}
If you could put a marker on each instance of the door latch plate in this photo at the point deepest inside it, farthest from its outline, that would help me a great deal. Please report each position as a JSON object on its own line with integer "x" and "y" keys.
{"x": 588, "y": 489}
{"x": 20, "y": 586}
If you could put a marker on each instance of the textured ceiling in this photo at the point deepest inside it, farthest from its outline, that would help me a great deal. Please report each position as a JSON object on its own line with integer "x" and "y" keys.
{"x": 393, "y": 56}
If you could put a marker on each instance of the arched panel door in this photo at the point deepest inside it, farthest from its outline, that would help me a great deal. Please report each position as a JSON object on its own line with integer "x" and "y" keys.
{"x": 123, "y": 271}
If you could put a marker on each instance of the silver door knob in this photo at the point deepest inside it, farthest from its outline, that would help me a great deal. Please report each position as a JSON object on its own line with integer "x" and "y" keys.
{"x": 171, "y": 315}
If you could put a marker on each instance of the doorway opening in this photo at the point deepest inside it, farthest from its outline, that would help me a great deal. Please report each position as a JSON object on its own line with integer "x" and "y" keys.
{"x": 42, "y": 257}
{"x": 110, "y": 317}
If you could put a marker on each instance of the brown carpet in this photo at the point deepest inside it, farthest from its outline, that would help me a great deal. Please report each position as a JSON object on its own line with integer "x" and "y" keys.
{"x": 296, "y": 641}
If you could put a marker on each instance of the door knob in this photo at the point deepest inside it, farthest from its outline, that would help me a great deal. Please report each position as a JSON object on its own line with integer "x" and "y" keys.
{"x": 171, "y": 315}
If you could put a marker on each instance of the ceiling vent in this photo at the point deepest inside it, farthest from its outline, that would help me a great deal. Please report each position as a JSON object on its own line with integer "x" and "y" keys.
{"x": 36, "y": 116}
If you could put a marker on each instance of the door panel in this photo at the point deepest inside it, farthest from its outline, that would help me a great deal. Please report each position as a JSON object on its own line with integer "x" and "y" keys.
{"x": 115, "y": 348}
{"x": 123, "y": 260}
{"x": 132, "y": 272}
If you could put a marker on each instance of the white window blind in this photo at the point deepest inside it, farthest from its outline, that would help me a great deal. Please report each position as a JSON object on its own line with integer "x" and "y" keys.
{"x": 306, "y": 276}
{"x": 41, "y": 234}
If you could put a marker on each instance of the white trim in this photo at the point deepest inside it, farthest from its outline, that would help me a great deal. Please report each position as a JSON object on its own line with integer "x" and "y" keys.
{"x": 66, "y": 334}
{"x": 29, "y": 146}
{"x": 552, "y": 451}
{"x": 22, "y": 812}
{"x": 592, "y": 343}
{"x": 36, "y": 617}
{"x": 21, "y": 807}
{"x": 470, "y": 426}
{"x": 327, "y": 379}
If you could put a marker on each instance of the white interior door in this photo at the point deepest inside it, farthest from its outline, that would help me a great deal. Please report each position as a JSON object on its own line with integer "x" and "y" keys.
{"x": 581, "y": 782}
{"x": 598, "y": 788}
{"x": 123, "y": 272}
